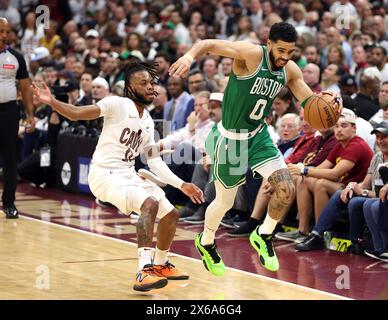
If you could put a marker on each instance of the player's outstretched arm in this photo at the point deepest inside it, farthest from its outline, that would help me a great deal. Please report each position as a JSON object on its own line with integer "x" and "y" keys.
{"x": 163, "y": 172}
{"x": 301, "y": 90}
{"x": 67, "y": 110}
{"x": 244, "y": 51}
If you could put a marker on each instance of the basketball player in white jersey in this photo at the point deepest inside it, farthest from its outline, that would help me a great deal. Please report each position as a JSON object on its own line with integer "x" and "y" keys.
{"x": 129, "y": 130}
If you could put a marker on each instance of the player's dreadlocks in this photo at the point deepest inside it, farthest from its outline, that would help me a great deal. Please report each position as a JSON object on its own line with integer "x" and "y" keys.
{"x": 129, "y": 71}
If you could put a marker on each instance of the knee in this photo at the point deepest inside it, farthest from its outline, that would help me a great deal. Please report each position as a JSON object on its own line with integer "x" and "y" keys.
{"x": 285, "y": 191}
{"x": 319, "y": 186}
{"x": 150, "y": 206}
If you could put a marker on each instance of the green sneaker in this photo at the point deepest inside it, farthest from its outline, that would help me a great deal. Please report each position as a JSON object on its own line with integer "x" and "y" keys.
{"x": 210, "y": 257}
{"x": 263, "y": 246}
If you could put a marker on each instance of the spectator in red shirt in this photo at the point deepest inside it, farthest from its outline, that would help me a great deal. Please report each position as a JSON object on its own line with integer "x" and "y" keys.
{"x": 348, "y": 161}
{"x": 303, "y": 143}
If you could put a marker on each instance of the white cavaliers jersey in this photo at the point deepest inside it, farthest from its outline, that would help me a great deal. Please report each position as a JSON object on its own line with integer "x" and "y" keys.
{"x": 124, "y": 135}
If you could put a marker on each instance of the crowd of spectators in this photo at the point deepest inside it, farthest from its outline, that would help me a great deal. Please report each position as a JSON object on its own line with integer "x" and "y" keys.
{"x": 82, "y": 48}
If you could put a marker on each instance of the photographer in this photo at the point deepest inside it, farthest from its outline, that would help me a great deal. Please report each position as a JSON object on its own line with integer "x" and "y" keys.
{"x": 40, "y": 166}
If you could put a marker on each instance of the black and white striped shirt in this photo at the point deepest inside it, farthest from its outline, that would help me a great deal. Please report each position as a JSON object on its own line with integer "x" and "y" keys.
{"x": 12, "y": 67}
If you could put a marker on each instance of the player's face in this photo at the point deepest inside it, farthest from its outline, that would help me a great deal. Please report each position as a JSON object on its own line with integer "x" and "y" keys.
{"x": 280, "y": 52}
{"x": 143, "y": 86}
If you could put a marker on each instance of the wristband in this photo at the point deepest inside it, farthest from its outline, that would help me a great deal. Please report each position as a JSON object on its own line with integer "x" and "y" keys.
{"x": 305, "y": 171}
{"x": 305, "y": 101}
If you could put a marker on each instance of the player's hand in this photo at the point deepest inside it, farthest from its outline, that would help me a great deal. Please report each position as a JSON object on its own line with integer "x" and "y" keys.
{"x": 267, "y": 189}
{"x": 336, "y": 102}
{"x": 181, "y": 67}
{"x": 42, "y": 94}
{"x": 384, "y": 193}
{"x": 193, "y": 192}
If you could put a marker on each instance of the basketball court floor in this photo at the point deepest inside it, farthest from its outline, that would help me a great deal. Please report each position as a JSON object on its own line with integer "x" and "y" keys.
{"x": 64, "y": 246}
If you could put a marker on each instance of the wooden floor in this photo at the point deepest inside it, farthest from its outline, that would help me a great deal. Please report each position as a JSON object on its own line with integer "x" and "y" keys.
{"x": 41, "y": 260}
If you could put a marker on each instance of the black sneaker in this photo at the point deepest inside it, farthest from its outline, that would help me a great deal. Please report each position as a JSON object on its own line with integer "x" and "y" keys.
{"x": 198, "y": 217}
{"x": 379, "y": 255}
{"x": 243, "y": 231}
{"x": 11, "y": 212}
{"x": 312, "y": 242}
{"x": 228, "y": 220}
{"x": 185, "y": 212}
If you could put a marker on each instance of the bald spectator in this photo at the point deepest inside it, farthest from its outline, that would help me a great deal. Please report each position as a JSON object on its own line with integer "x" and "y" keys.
{"x": 366, "y": 103}
{"x": 311, "y": 74}
{"x": 100, "y": 89}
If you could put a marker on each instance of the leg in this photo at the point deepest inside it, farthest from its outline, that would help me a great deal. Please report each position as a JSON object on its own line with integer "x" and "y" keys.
{"x": 216, "y": 210}
{"x": 304, "y": 201}
{"x": 281, "y": 200}
{"x": 205, "y": 242}
{"x": 146, "y": 278}
{"x": 9, "y": 130}
{"x": 322, "y": 190}
{"x": 165, "y": 234}
{"x": 145, "y": 225}
{"x": 356, "y": 218}
{"x": 261, "y": 203}
{"x": 371, "y": 218}
{"x": 166, "y": 230}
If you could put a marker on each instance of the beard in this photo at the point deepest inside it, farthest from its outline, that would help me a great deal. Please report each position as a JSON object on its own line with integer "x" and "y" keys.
{"x": 273, "y": 64}
{"x": 139, "y": 99}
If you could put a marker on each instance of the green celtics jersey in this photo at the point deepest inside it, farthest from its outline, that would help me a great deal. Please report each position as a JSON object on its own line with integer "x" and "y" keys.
{"x": 248, "y": 99}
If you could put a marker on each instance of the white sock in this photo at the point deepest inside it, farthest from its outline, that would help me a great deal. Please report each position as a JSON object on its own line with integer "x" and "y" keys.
{"x": 268, "y": 225}
{"x": 145, "y": 255}
{"x": 216, "y": 211}
{"x": 160, "y": 256}
{"x": 208, "y": 236}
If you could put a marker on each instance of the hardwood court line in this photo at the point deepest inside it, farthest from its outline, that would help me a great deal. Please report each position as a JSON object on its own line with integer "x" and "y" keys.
{"x": 103, "y": 260}
{"x": 196, "y": 260}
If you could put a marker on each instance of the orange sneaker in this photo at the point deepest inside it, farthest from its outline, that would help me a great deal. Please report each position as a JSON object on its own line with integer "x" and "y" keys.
{"x": 169, "y": 271}
{"x": 147, "y": 279}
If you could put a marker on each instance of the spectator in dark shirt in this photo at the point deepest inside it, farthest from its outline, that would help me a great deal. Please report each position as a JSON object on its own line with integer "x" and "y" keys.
{"x": 366, "y": 98}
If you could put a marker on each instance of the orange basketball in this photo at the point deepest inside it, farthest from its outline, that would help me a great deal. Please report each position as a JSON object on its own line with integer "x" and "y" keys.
{"x": 319, "y": 111}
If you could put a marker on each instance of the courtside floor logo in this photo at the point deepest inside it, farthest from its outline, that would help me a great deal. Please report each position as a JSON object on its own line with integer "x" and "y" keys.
{"x": 66, "y": 173}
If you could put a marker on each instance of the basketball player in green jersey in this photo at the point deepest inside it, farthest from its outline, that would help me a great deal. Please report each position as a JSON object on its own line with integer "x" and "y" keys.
{"x": 241, "y": 138}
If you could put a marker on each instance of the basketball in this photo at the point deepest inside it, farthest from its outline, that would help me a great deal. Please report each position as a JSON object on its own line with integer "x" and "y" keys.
{"x": 319, "y": 111}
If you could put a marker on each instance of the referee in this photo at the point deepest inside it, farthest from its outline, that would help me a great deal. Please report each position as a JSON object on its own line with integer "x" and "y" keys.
{"x": 12, "y": 68}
